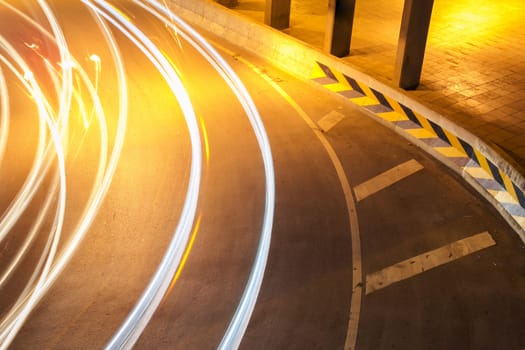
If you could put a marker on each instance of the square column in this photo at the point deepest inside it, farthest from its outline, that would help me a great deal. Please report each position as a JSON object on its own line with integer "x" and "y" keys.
{"x": 339, "y": 27}
{"x": 277, "y": 13}
{"x": 412, "y": 42}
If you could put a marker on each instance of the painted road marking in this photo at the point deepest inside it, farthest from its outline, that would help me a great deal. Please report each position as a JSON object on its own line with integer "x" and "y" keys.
{"x": 330, "y": 120}
{"x": 445, "y": 142}
{"x": 386, "y": 179}
{"x": 357, "y": 279}
{"x": 426, "y": 261}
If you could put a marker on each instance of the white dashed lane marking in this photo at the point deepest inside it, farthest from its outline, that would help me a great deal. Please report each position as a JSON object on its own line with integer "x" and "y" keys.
{"x": 386, "y": 179}
{"x": 426, "y": 261}
{"x": 330, "y": 120}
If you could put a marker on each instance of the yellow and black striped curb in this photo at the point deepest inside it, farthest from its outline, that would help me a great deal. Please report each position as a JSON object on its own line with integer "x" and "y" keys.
{"x": 466, "y": 157}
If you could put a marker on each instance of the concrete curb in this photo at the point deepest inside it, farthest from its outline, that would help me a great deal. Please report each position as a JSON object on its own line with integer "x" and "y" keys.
{"x": 480, "y": 164}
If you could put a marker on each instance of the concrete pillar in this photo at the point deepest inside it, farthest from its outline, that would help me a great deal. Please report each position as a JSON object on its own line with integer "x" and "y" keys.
{"x": 277, "y": 13}
{"x": 228, "y": 3}
{"x": 412, "y": 42}
{"x": 339, "y": 27}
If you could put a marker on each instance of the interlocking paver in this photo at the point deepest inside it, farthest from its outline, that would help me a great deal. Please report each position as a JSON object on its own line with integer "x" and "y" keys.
{"x": 474, "y": 70}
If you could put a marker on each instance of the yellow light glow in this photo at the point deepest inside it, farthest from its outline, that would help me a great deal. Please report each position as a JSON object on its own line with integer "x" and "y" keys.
{"x": 205, "y": 138}
{"x": 95, "y": 58}
{"x": 184, "y": 257}
{"x": 474, "y": 19}
{"x": 32, "y": 46}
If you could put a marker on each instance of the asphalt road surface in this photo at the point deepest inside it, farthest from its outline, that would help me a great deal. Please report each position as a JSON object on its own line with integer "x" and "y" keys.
{"x": 375, "y": 245}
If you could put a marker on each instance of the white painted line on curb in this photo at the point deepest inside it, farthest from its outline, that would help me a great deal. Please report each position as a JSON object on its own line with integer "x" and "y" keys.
{"x": 426, "y": 261}
{"x": 330, "y": 120}
{"x": 386, "y": 179}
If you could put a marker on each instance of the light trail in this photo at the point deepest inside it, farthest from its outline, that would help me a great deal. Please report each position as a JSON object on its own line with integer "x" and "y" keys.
{"x": 49, "y": 170}
{"x": 9, "y": 331}
{"x": 33, "y": 292}
{"x": 4, "y": 114}
{"x": 137, "y": 320}
{"x": 235, "y": 332}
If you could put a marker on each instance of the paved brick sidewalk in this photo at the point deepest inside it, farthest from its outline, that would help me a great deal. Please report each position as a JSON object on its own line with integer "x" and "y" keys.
{"x": 474, "y": 70}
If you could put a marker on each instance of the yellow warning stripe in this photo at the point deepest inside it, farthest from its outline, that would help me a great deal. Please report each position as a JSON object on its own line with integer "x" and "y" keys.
{"x": 396, "y": 106}
{"x": 317, "y": 72}
{"x": 454, "y": 141}
{"x": 450, "y": 152}
{"x": 482, "y": 161}
{"x": 509, "y": 186}
{"x": 424, "y": 132}
{"x": 368, "y": 93}
{"x": 393, "y": 116}
{"x": 337, "y": 87}
{"x": 364, "y": 101}
{"x": 341, "y": 79}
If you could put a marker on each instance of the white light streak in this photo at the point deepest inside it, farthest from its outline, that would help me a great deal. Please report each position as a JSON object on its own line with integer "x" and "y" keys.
{"x": 74, "y": 89}
{"x": 235, "y": 332}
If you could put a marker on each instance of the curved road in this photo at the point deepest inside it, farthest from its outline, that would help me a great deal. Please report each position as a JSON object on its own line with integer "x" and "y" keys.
{"x": 407, "y": 256}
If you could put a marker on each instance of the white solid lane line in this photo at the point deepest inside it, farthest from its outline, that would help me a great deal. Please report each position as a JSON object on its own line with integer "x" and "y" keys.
{"x": 330, "y": 120}
{"x": 426, "y": 261}
{"x": 357, "y": 279}
{"x": 386, "y": 179}
{"x": 357, "y": 270}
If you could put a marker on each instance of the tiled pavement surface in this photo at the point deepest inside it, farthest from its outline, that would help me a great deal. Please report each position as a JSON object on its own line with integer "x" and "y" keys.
{"x": 474, "y": 70}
